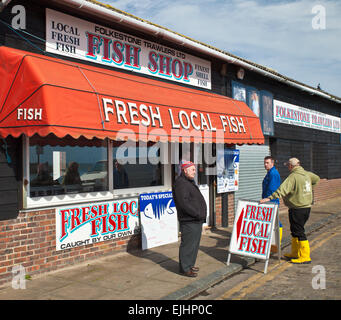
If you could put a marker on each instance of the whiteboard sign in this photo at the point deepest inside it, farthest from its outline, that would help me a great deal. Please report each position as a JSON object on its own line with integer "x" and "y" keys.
{"x": 159, "y": 223}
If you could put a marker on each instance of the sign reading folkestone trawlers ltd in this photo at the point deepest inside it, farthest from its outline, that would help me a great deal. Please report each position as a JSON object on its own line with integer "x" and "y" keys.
{"x": 73, "y": 37}
{"x": 299, "y": 116}
{"x": 96, "y": 222}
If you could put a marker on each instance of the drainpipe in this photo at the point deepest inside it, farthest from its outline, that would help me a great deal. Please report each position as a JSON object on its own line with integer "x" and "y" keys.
{"x": 100, "y": 11}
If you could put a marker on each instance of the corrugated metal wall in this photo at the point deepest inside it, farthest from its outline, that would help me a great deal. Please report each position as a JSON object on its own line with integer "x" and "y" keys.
{"x": 251, "y": 171}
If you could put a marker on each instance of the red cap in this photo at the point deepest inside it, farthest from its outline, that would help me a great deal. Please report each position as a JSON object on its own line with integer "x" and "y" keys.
{"x": 186, "y": 164}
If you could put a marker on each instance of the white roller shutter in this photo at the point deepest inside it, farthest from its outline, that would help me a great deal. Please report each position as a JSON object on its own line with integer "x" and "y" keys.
{"x": 251, "y": 171}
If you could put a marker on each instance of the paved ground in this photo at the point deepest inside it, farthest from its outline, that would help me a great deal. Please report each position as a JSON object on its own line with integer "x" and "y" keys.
{"x": 320, "y": 280}
{"x": 153, "y": 274}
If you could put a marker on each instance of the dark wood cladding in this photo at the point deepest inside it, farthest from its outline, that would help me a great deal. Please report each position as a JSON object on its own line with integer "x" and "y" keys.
{"x": 10, "y": 177}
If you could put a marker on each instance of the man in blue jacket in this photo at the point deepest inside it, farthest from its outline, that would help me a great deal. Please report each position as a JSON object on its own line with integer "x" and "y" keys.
{"x": 271, "y": 183}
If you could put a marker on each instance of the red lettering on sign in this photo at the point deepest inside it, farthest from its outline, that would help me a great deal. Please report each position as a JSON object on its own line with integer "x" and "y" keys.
{"x": 64, "y": 222}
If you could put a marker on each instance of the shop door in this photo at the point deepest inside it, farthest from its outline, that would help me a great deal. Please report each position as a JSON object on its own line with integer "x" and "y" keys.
{"x": 251, "y": 172}
{"x": 201, "y": 178}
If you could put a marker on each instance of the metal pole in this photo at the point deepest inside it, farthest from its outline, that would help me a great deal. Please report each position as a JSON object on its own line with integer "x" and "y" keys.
{"x": 228, "y": 259}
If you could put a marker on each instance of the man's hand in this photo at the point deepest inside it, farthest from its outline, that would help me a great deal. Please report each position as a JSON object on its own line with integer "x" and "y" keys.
{"x": 264, "y": 200}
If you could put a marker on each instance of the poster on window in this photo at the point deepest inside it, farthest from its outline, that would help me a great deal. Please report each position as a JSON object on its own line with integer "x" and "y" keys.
{"x": 159, "y": 223}
{"x": 253, "y": 228}
{"x": 227, "y": 170}
{"x": 77, "y": 38}
{"x": 79, "y": 225}
{"x": 253, "y": 101}
{"x": 238, "y": 91}
{"x": 267, "y": 121}
{"x": 260, "y": 102}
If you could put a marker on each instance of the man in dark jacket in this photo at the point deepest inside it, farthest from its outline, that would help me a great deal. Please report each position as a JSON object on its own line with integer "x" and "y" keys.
{"x": 192, "y": 210}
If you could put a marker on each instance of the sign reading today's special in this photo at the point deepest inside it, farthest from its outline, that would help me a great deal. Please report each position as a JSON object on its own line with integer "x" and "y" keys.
{"x": 159, "y": 223}
{"x": 253, "y": 229}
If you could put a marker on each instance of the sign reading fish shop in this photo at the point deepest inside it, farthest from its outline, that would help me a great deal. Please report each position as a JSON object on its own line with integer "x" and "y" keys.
{"x": 159, "y": 223}
{"x": 80, "y": 39}
{"x": 96, "y": 222}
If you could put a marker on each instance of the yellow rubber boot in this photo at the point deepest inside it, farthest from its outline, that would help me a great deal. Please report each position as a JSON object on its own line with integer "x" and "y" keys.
{"x": 274, "y": 248}
{"x": 280, "y": 235}
{"x": 294, "y": 249}
{"x": 303, "y": 253}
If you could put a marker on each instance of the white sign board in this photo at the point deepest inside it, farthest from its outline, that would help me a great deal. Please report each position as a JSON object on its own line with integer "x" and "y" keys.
{"x": 299, "y": 116}
{"x": 253, "y": 228}
{"x": 159, "y": 223}
{"x": 77, "y": 38}
{"x": 95, "y": 222}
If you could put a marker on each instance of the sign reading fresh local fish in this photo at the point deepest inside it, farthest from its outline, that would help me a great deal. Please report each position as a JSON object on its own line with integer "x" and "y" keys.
{"x": 159, "y": 223}
{"x": 253, "y": 229}
{"x": 299, "y": 116}
{"x": 73, "y": 37}
{"x": 95, "y": 222}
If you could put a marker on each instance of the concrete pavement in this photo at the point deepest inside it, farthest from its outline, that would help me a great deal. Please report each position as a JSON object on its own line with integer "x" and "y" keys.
{"x": 153, "y": 274}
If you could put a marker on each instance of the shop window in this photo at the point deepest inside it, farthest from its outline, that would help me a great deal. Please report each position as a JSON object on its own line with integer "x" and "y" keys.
{"x": 60, "y": 171}
{"x": 199, "y": 158}
{"x": 195, "y": 153}
{"x": 67, "y": 166}
{"x": 136, "y": 166}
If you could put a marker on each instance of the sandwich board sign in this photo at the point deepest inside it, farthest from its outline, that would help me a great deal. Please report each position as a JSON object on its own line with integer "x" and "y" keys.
{"x": 254, "y": 226}
{"x": 159, "y": 222}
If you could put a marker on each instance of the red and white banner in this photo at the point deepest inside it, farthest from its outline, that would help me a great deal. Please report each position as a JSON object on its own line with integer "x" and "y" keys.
{"x": 43, "y": 95}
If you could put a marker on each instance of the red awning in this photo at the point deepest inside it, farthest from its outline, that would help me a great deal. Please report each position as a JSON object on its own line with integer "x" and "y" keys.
{"x": 43, "y": 95}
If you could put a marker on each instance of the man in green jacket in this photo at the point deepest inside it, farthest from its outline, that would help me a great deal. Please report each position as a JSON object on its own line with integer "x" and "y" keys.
{"x": 297, "y": 194}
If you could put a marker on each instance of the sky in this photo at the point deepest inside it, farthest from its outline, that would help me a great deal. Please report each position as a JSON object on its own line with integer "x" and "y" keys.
{"x": 300, "y": 39}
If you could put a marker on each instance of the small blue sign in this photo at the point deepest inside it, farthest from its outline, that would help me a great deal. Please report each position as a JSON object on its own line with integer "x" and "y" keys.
{"x": 156, "y": 205}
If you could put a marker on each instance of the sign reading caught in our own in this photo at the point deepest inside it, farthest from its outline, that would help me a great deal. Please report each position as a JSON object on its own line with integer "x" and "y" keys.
{"x": 96, "y": 222}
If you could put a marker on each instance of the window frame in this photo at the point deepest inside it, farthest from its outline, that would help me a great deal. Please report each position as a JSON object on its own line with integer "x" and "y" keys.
{"x": 166, "y": 171}
{"x": 67, "y": 199}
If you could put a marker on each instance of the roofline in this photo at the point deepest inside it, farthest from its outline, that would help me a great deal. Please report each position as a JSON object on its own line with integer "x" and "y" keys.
{"x": 103, "y": 10}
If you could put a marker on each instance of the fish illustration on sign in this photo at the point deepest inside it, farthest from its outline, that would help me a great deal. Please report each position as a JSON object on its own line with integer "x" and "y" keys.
{"x": 159, "y": 223}
{"x": 159, "y": 210}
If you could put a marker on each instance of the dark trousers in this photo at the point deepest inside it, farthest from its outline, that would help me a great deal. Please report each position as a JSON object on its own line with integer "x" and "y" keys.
{"x": 297, "y": 219}
{"x": 189, "y": 246}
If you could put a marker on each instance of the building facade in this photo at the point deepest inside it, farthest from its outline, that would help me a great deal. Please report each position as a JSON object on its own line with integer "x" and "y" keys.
{"x": 77, "y": 168}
